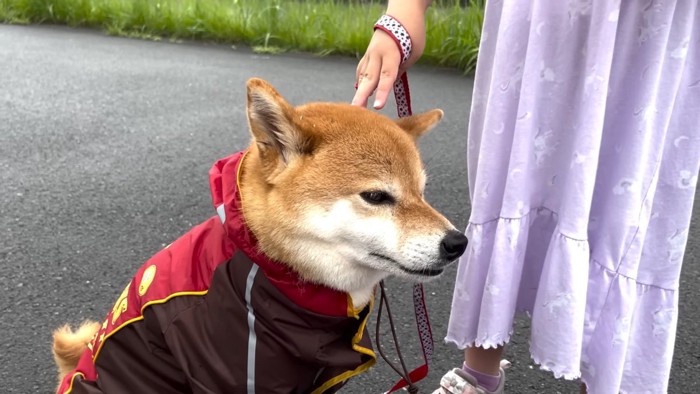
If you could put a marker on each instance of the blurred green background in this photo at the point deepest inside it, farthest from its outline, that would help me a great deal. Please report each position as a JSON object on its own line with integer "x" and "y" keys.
{"x": 270, "y": 26}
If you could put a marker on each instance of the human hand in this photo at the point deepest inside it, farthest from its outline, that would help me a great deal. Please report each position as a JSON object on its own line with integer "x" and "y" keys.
{"x": 377, "y": 70}
{"x": 381, "y": 65}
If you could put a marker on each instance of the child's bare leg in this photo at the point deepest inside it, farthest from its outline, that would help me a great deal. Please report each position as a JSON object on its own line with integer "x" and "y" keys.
{"x": 486, "y": 361}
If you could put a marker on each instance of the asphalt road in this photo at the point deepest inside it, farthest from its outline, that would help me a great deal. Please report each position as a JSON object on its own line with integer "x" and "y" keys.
{"x": 105, "y": 144}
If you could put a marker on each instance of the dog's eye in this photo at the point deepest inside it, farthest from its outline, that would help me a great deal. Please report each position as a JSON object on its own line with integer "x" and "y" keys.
{"x": 377, "y": 197}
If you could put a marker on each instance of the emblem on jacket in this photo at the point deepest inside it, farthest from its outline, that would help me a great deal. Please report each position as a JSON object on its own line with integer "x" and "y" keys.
{"x": 148, "y": 275}
{"x": 121, "y": 304}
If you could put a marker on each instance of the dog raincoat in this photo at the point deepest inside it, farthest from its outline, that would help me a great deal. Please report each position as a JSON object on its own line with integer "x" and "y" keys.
{"x": 211, "y": 314}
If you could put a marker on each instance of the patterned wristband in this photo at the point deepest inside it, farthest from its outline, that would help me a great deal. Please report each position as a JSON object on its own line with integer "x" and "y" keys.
{"x": 395, "y": 29}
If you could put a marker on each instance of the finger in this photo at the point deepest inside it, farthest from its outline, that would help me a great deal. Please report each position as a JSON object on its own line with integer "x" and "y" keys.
{"x": 387, "y": 77}
{"x": 361, "y": 65}
{"x": 367, "y": 83}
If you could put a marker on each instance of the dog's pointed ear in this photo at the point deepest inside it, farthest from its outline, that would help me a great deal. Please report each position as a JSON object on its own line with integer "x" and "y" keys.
{"x": 417, "y": 125}
{"x": 270, "y": 120}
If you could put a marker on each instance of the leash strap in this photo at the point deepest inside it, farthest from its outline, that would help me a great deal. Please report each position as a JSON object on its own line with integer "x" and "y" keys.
{"x": 426, "y": 338}
{"x": 403, "y": 96}
{"x": 395, "y": 29}
{"x": 399, "y": 34}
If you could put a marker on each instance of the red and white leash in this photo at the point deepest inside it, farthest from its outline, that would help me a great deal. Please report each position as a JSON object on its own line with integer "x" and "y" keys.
{"x": 399, "y": 34}
{"x": 395, "y": 30}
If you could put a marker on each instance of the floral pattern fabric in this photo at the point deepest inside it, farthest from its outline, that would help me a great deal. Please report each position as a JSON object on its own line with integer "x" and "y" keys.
{"x": 583, "y": 156}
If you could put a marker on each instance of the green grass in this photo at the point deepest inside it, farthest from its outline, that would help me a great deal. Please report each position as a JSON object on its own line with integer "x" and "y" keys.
{"x": 321, "y": 27}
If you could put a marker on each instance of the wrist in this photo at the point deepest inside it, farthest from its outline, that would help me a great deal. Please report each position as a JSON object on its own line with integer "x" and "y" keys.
{"x": 411, "y": 15}
{"x": 398, "y": 33}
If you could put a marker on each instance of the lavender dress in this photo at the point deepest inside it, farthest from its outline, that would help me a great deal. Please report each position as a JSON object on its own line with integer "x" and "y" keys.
{"x": 583, "y": 154}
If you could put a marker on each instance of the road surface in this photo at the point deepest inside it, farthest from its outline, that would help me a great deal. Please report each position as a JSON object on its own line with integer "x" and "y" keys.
{"x": 105, "y": 144}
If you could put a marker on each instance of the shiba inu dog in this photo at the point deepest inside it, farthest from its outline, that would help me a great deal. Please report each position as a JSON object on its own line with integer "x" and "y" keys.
{"x": 273, "y": 293}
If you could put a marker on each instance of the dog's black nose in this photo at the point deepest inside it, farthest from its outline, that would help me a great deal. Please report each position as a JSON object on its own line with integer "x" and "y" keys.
{"x": 453, "y": 245}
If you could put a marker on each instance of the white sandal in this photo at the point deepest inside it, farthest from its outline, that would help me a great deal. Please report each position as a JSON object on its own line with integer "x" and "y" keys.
{"x": 457, "y": 381}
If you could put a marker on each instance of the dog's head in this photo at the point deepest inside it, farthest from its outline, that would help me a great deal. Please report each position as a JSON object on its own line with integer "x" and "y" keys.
{"x": 336, "y": 192}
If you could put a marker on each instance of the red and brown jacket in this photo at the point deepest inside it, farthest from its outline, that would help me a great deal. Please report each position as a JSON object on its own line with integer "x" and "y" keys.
{"x": 211, "y": 314}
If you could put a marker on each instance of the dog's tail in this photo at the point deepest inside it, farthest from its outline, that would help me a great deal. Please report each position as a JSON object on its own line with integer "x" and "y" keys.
{"x": 69, "y": 345}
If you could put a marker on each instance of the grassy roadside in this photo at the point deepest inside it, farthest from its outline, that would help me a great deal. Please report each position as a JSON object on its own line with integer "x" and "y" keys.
{"x": 319, "y": 26}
